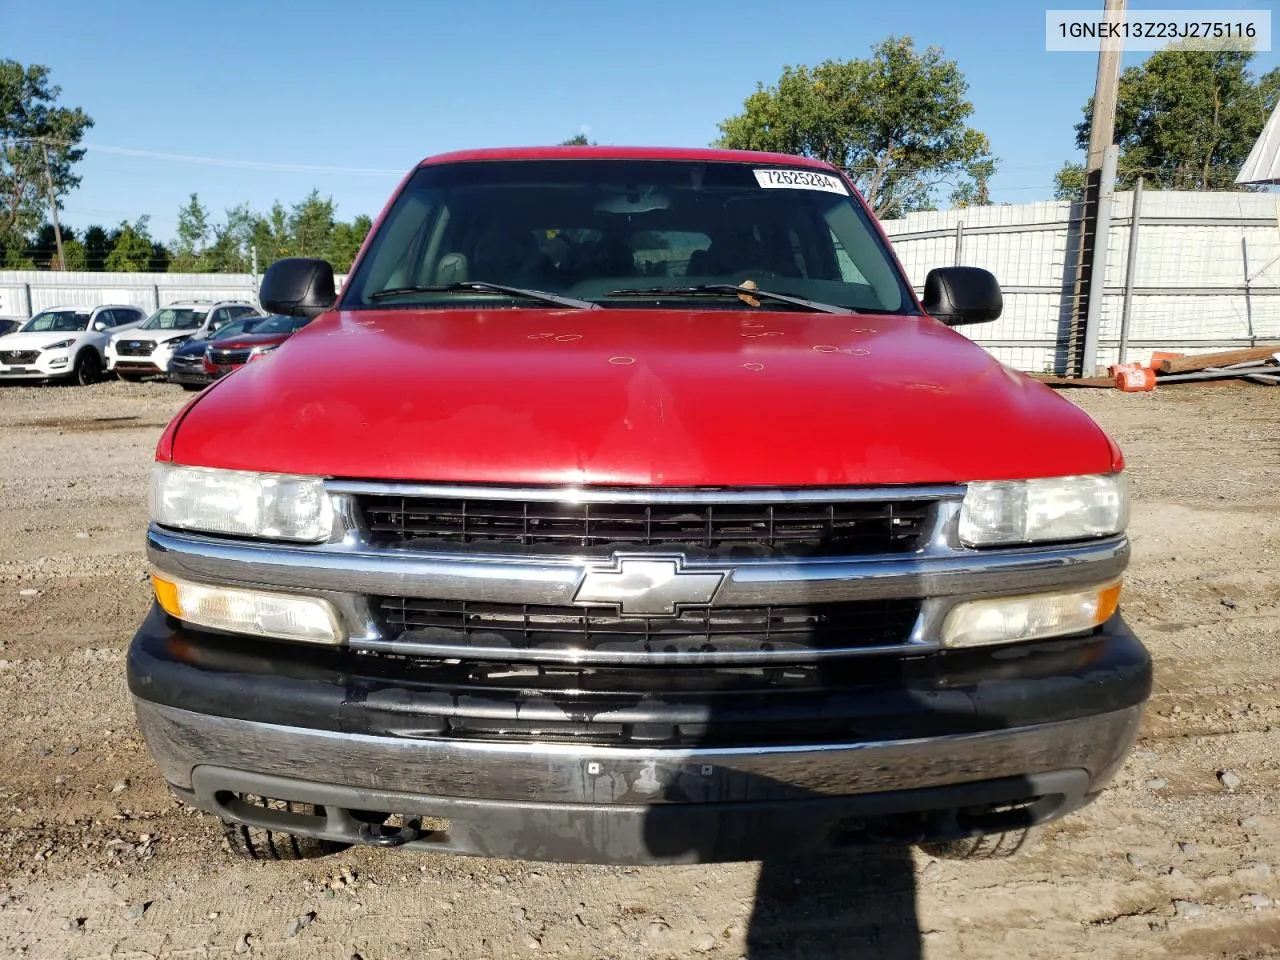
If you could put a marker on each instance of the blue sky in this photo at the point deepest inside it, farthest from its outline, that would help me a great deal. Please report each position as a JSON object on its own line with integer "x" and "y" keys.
{"x": 378, "y": 85}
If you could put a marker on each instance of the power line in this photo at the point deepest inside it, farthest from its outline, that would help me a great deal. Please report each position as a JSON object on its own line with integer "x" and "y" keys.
{"x": 229, "y": 162}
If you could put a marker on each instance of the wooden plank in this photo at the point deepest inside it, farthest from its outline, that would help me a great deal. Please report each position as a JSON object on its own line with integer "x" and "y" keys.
{"x": 1205, "y": 360}
{"x": 1053, "y": 381}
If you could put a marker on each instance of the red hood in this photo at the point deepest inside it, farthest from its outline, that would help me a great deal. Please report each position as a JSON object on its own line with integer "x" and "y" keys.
{"x": 636, "y": 396}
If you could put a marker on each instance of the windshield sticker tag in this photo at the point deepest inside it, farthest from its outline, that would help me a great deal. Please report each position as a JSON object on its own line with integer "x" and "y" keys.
{"x": 800, "y": 180}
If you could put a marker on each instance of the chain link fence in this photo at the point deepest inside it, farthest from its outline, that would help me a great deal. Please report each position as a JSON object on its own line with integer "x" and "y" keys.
{"x": 1202, "y": 272}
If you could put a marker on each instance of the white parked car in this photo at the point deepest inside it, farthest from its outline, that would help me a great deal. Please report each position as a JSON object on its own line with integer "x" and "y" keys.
{"x": 64, "y": 342}
{"x": 146, "y": 350}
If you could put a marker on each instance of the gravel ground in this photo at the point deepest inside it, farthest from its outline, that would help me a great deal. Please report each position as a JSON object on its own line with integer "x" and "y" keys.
{"x": 1179, "y": 859}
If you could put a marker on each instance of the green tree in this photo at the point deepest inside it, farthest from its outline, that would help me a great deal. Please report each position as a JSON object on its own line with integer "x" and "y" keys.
{"x": 43, "y": 247}
{"x": 311, "y": 225}
{"x": 74, "y": 251}
{"x": 1186, "y": 119}
{"x": 1068, "y": 183}
{"x": 233, "y": 241}
{"x": 193, "y": 237}
{"x": 345, "y": 241}
{"x": 97, "y": 246}
{"x": 271, "y": 236}
{"x": 896, "y": 123}
{"x": 132, "y": 250}
{"x": 578, "y": 140}
{"x": 31, "y": 121}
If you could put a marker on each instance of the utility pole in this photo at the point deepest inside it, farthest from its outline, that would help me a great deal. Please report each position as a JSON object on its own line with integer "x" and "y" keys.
{"x": 1102, "y": 124}
{"x": 53, "y": 206}
{"x": 1099, "y": 187}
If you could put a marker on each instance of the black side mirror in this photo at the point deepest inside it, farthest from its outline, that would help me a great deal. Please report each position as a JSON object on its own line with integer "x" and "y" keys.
{"x": 959, "y": 295}
{"x": 298, "y": 287}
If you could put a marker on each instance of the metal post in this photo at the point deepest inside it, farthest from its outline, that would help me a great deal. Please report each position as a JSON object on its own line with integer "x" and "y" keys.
{"x": 1098, "y": 275}
{"x": 155, "y": 296}
{"x": 959, "y": 257}
{"x": 1248, "y": 297}
{"x": 26, "y": 288}
{"x": 1130, "y": 270}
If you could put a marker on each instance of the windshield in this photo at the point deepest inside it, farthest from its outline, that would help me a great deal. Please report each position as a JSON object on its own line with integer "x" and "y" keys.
{"x": 170, "y": 318}
{"x": 586, "y": 228}
{"x": 57, "y": 321}
{"x": 278, "y": 323}
{"x": 235, "y": 328}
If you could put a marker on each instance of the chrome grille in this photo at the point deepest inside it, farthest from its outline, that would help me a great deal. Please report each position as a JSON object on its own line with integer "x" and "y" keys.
{"x": 134, "y": 348}
{"x": 19, "y": 356}
{"x": 822, "y": 528}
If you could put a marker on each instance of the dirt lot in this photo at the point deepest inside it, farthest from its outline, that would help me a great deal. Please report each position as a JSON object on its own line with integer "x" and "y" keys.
{"x": 96, "y": 860}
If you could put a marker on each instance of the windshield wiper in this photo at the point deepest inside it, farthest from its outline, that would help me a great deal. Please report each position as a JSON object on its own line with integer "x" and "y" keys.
{"x": 482, "y": 286}
{"x": 745, "y": 292}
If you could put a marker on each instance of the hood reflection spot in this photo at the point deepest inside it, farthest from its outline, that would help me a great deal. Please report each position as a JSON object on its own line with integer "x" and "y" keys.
{"x": 861, "y": 330}
{"x": 858, "y": 352}
{"x": 568, "y": 337}
{"x": 767, "y": 333}
{"x": 622, "y": 361}
{"x": 540, "y": 336}
{"x": 826, "y": 348}
{"x": 753, "y": 366}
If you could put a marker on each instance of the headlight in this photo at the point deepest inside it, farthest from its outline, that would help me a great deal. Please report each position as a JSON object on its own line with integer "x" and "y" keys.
{"x": 270, "y": 505}
{"x": 979, "y": 623}
{"x": 257, "y": 353}
{"x": 60, "y": 345}
{"x": 1054, "y": 508}
{"x": 256, "y": 612}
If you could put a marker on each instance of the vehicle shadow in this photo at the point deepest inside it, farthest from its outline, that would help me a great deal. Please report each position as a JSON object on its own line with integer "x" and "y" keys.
{"x": 855, "y": 904}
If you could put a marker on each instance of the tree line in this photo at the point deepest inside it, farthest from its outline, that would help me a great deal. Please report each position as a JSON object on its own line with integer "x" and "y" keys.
{"x": 234, "y": 244}
{"x": 897, "y": 122}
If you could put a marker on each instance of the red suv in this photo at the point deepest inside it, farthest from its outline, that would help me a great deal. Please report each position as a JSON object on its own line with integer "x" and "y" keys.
{"x": 628, "y": 505}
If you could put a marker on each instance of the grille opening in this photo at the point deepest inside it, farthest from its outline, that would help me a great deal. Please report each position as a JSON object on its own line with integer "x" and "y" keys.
{"x": 129, "y": 349}
{"x": 471, "y": 626}
{"x": 228, "y": 356}
{"x": 836, "y": 528}
{"x": 19, "y": 356}
{"x": 925, "y": 825}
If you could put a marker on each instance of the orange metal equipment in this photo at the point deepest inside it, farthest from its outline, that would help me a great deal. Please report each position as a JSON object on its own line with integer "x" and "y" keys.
{"x": 1137, "y": 380}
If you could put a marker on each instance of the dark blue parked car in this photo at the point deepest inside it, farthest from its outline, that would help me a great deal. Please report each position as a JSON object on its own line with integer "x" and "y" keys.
{"x": 187, "y": 366}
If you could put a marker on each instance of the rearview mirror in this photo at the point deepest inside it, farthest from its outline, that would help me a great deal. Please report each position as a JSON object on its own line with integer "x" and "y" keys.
{"x": 298, "y": 287}
{"x": 960, "y": 295}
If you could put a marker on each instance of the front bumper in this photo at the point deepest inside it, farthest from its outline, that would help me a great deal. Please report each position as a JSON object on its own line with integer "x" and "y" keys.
{"x": 946, "y": 745}
{"x": 152, "y": 364}
{"x": 48, "y": 364}
{"x": 192, "y": 375}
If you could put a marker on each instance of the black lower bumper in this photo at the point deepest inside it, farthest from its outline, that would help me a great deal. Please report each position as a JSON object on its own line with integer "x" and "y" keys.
{"x": 940, "y": 746}
{"x": 189, "y": 377}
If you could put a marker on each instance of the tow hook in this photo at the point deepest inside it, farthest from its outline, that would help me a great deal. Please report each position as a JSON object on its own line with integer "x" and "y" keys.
{"x": 377, "y": 835}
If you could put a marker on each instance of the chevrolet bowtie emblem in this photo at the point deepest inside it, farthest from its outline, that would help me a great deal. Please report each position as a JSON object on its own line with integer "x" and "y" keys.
{"x": 648, "y": 586}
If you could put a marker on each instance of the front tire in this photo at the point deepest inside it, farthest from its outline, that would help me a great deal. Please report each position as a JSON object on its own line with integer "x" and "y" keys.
{"x": 254, "y": 843}
{"x": 990, "y": 846}
{"x": 87, "y": 369}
